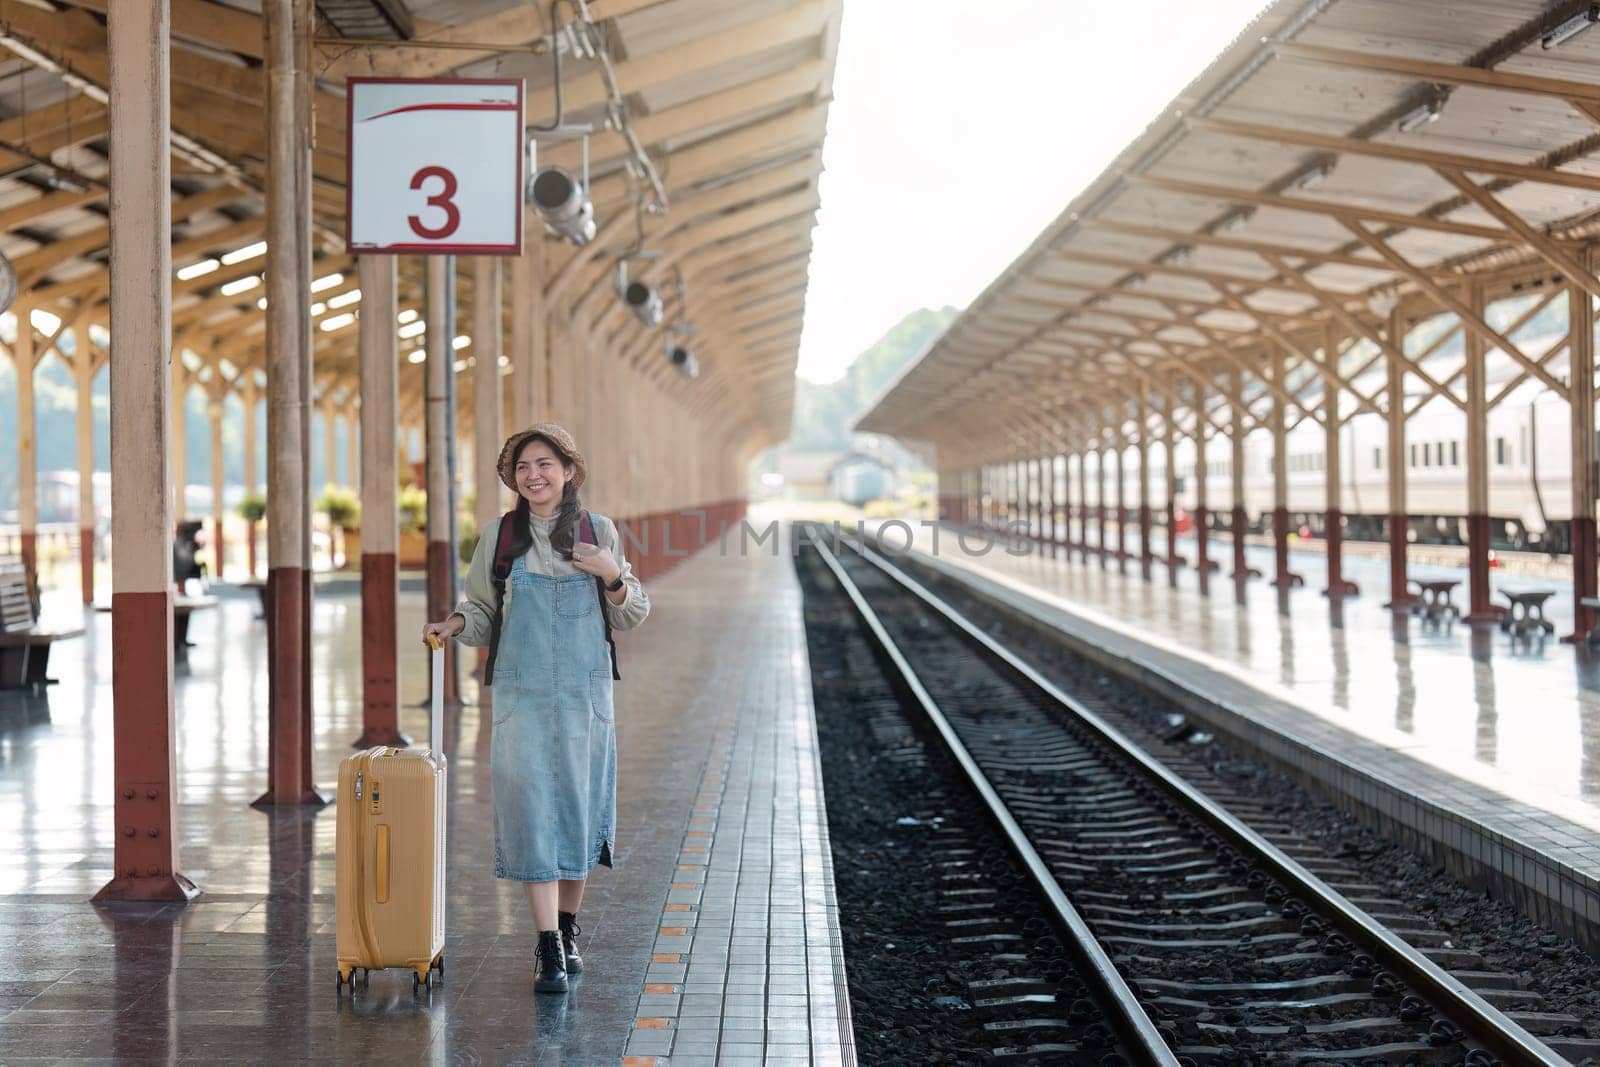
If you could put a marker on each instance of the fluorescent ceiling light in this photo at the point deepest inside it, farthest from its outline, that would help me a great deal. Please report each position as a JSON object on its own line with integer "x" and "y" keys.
{"x": 327, "y": 281}
{"x": 338, "y": 322}
{"x": 345, "y": 299}
{"x": 417, "y": 356}
{"x": 408, "y": 315}
{"x": 1572, "y": 28}
{"x": 318, "y": 308}
{"x": 413, "y": 329}
{"x": 196, "y": 270}
{"x": 462, "y": 341}
{"x": 239, "y": 255}
{"x": 1420, "y": 116}
{"x": 240, "y": 285}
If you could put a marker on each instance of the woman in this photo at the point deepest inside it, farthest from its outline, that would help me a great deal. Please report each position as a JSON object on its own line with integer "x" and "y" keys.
{"x": 553, "y": 755}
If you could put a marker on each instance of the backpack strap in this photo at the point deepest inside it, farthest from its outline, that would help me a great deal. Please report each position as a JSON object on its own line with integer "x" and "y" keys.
{"x": 586, "y": 534}
{"x": 499, "y": 571}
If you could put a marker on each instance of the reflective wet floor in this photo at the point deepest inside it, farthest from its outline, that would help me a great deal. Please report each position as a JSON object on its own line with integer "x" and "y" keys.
{"x": 1520, "y": 717}
{"x": 713, "y": 719}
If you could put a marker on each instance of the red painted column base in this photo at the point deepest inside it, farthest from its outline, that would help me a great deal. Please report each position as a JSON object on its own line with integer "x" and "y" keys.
{"x": 145, "y": 857}
{"x": 1285, "y": 578}
{"x": 380, "y": 686}
{"x": 288, "y": 691}
{"x": 1240, "y": 522}
{"x": 1333, "y": 530}
{"x": 439, "y": 606}
{"x": 86, "y": 563}
{"x": 1479, "y": 607}
{"x": 1584, "y": 580}
{"x": 1400, "y": 596}
{"x": 30, "y": 553}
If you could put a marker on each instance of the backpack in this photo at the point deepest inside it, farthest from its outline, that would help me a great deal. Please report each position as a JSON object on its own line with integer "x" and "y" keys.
{"x": 504, "y": 559}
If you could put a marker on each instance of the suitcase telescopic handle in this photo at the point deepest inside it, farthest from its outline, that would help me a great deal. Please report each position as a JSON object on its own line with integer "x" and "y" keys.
{"x": 436, "y": 697}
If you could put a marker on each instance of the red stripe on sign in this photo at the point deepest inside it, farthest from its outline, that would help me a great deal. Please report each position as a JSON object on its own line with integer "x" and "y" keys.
{"x": 501, "y": 105}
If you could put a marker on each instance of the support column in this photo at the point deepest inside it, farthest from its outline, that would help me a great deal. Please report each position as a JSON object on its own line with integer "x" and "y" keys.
{"x": 83, "y": 372}
{"x": 1202, "y": 512}
{"x": 528, "y": 396}
{"x": 288, "y": 359}
{"x": 352, "y": 451}
{"x": 1146, "y": 555}
{"x": 1280, "y": 475}
{"x": 1100, "y": 501}
{"x": 1170, "y": 431}
{"x": 1399, "y": 597}
{"x": 487, "y": 435}
{"x": 218, "y": 508}
{"x": 1122, "y": 502}
{"x": 1333, "y": 481}
{"x": 146, "y": 861}
{"x": 23, "y": 356}
{"x": 380, "y": 527}
{"x": 1239, "y": 520}
{"x": 180, "y": 440}
{"x": 1036, "y": 496}
{"x": 440, "y": 411}
{"x": 1580, "y": 349}
{"x": 250, "y": 396}
{"x": 1479, "y": 608}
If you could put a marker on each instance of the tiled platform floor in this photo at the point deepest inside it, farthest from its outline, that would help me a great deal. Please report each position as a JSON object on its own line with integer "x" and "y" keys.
{"x": 714, "y": 940}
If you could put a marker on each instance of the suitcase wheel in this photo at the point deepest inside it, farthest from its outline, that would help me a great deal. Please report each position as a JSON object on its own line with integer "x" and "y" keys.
{"x": 438, "y": 964}
{"x": 418, "y": 982}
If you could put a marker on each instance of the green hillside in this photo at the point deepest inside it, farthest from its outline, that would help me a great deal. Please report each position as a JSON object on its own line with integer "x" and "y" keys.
{"x": 823, "y": 413}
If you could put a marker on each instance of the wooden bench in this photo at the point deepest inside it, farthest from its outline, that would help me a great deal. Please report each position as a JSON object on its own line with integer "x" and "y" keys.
{"x": 24, "y": 645}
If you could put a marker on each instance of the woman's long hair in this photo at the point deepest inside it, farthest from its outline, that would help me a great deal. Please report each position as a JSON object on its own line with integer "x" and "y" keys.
{"x": 566, "y": 528}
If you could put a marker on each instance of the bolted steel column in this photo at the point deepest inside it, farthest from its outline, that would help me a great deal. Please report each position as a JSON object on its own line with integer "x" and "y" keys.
{"x": 1146, "y": 555}
{"x": 380, "y": 529}
{"x": 1202, "y": 513}
{"x": 1333, "y": 511}
{"x": 1100, "y": 501}
{"x": 218, "y": 508}
{"x": 1479, "y": 608}
{"x": 1170, "y": 431}
{"x": 288, "y": 45}
{"x": 487, "y": 346}
{"x": 1239, "y": 520}
{"x": 1280, "y": 474}
{"x": 1399, "y": 596}
{"x": 1585, "y": 485}
{"x": 440, "y": 414}
{"x": 23, "y": 356}
{"x": 83, "y": 373}
{"x": 250, "y": 395}
{"x": 145, "y": 856}
{"x": 1122, "y": 500}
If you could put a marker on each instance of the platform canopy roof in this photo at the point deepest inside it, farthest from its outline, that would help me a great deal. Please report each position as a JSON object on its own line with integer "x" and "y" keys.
{"x": 714, "y": 111}
{"x": 1340, "y": 158}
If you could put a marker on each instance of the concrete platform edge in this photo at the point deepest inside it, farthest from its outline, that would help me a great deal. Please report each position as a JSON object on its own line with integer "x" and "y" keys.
{"x": 1516, "y": 871}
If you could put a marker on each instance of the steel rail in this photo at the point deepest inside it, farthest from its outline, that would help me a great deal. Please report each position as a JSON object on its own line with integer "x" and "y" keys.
{"x": 1128, "y": 1017}
{"x": 1483, "y": 1021}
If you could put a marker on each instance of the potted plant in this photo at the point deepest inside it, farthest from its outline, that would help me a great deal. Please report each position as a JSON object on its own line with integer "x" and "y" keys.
{"x": 252, "y": 509}
{"x": 343, "y": 509}
{"x": 413, "y": 506}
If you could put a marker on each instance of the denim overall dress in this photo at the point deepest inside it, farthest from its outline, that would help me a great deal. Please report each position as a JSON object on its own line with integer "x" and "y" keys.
{"x": 554, "y": 748}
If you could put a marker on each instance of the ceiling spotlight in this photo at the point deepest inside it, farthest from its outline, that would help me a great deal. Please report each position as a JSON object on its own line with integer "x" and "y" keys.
{"x": 1421, "y": 115}
{"x": 643, "y": 301}
{"x": 684, "y": 360}
{"x": 1317, "y": 175}
{"x": 1572, "y": 28}
{"x": 563, "y": 204}
{"x": 1235, "y": 220}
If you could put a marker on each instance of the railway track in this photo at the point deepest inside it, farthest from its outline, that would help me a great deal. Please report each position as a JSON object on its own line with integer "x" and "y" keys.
{"x": 1235, "y": 945}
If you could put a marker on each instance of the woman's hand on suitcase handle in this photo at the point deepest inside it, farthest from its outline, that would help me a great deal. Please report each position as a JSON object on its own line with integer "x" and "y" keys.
{"x": 450, "y": 627}
{"x": 592, "y": 559}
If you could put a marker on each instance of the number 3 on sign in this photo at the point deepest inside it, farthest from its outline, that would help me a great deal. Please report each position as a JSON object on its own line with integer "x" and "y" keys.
{"x": 443, "y": 200}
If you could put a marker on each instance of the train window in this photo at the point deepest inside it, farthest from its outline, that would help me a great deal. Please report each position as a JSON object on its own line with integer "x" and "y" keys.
{"x": 1377, "y": 459}
{"x": 1500, "y": 458}
{"x": 1454, "y": 461}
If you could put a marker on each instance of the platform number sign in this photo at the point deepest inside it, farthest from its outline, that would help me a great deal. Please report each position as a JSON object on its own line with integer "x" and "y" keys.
{"x": 434, "y": 166}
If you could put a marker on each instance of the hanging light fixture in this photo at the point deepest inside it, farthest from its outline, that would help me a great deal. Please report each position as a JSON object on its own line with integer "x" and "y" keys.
{"x": 563, "y": 203}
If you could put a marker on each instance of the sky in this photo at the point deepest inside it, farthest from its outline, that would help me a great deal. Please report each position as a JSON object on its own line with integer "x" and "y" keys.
{"x": 959, "y": 130}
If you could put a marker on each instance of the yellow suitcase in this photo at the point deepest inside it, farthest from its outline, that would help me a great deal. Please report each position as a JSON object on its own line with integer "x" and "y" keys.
{"x": 390, "y": 881}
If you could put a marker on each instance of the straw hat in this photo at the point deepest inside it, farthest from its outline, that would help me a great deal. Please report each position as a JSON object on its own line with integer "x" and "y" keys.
{"x": 550, "y": 431}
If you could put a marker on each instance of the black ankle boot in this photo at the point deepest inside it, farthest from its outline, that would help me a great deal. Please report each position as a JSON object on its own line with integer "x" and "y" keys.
{"x": 550, "y": 969}
{"x": 569, "y": 941}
